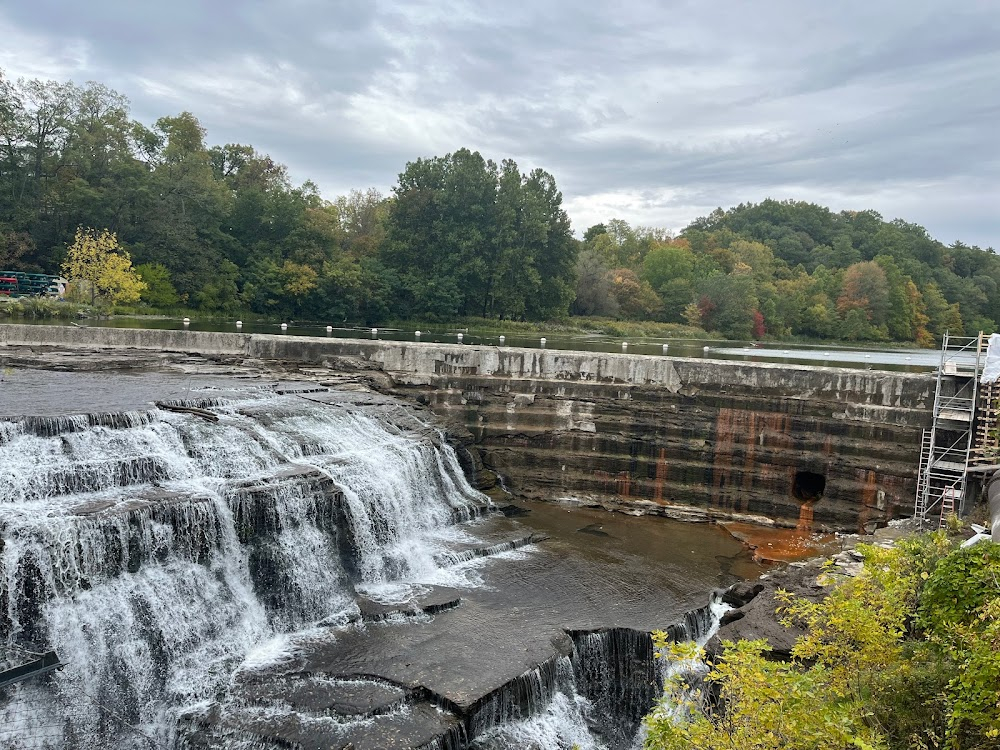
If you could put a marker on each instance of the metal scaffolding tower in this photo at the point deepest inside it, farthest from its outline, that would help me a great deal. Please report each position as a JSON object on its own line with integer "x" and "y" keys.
{"x": 946, "y": 446}
{"x": 985, "y": 456}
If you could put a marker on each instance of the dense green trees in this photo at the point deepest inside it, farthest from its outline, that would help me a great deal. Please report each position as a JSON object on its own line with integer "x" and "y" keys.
{"x": 924, "y": 289}
{"x": 223, "y": 229}
{"x": 789, "y": 268}
{"x": 469, "y": 237}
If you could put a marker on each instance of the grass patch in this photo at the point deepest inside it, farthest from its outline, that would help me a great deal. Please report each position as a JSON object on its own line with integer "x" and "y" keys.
{"x": 40, "y": 308}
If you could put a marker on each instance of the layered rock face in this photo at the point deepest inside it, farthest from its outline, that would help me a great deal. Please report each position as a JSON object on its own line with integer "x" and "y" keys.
{"x": 816, "y": 447}
{"x": 819, "y": 448}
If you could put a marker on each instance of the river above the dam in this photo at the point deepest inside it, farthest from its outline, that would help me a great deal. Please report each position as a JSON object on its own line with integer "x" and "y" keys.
{"x": 870, "y": 356}
{"x": 187, "y": 573}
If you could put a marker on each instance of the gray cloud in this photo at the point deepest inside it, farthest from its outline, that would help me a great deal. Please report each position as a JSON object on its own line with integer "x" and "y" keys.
{"x": 655, "y": 112}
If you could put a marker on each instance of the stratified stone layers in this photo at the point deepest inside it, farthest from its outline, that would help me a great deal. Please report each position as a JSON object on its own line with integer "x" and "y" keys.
{"x": 819, "y": 448}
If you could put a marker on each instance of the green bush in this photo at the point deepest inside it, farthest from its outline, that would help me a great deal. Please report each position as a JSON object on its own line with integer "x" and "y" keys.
{"x": 906, "y": 655}
{"x": 960, "y": 586}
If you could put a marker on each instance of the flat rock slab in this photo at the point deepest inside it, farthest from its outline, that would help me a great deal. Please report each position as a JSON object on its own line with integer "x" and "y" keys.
{"x": 322, "y": 695}
{"x": 147, "y": 498}
{"x": 412, "y": 725}
{"x": 438, "y": 599}
{"x": 520, "y": 618}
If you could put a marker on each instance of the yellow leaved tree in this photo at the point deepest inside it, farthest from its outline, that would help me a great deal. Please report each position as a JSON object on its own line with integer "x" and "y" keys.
{"x": 96, "y": 259}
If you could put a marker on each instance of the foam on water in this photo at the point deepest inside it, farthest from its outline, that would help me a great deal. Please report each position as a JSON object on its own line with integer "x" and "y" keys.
{"x": 563, "y": 725}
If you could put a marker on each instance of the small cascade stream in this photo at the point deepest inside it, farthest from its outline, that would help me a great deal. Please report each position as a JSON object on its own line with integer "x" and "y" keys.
{"x": 595, "y": 698}
{"x": 277, "y": 578}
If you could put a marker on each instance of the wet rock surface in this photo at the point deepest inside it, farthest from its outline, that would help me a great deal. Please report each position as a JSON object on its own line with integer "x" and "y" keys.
{"x": 438, "y": 599}
{"x": 401, "y": 678}
{"x": 755, "y": 607}
{"x": 523, "y": 612}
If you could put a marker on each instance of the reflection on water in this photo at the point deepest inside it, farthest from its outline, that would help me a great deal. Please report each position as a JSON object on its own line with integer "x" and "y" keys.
{"x": 871, "y": 357}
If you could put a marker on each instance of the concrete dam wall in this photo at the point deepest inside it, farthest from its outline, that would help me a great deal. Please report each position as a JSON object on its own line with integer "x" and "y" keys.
{"x": 815, "y": 447}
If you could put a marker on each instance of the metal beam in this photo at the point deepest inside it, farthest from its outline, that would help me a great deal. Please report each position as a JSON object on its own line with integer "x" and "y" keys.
{"x": 46, "y": 663}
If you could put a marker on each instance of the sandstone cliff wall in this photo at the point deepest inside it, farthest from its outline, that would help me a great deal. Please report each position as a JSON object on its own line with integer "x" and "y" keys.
{"x": 823, "y": 448}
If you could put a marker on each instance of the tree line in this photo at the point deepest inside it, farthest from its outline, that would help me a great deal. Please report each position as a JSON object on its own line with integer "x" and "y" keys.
{"x": 222, "y": 229}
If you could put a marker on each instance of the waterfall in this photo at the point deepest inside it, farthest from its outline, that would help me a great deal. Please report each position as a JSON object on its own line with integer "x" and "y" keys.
{"x": 153, "y": 551}
{"x": 179, "y": 567}
{"x": 616, "y": 671}
{"x": 549, "y": 714}
{"x": 594, "y": 699}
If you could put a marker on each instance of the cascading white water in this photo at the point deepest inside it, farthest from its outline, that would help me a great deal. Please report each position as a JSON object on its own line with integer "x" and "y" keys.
{"x": 562, "y": 723}
{"x": 154, "y": 550}
{"x": 596, "y": 699}
{"x": 399, "y": 492}
{"x": 700, "y": 626}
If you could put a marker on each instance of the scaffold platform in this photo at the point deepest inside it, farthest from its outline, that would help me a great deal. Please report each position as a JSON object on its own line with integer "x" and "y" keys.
{"x": 948, "y": 447}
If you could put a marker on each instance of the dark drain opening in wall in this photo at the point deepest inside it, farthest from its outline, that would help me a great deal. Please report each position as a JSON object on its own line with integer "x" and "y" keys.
{"x": 808, "y": 485}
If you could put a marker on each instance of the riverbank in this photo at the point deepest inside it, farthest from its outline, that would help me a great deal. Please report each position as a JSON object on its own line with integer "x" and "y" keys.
{"x": 756, "y": 603}
{"x": 893, "y": 644}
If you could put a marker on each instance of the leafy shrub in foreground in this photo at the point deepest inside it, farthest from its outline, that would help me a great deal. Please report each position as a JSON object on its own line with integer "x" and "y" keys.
{"x": 906, "y": 655}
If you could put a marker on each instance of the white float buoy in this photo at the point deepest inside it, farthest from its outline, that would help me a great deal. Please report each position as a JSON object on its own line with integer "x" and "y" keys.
{"x": 284, "y": 326}
{"x": 705, "y": 349}
{"x": 542, "y": 341}
{"x": 502, "y": 339}
{"x": 374, "y": 331}
{"x": 187, "y": 321}
{"x": 665, "y": 347}
{"x": 417, "y": 334}
{"x": 239, "y": 323}
{"x": 460, "y": 337}
{"x": 624, "y": 345}
{"x": 329, "y": 329}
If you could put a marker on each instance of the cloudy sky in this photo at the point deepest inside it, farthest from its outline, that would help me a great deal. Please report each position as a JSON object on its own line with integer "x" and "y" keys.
{"x": 653, "y": 112}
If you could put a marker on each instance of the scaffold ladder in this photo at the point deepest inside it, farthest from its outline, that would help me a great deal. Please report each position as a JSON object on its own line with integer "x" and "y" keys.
{"x": 945, "y": 447}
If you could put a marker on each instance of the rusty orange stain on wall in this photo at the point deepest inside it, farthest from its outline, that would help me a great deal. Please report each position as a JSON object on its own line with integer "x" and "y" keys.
{"x": 661, "y": 476}
{"x": 619, "y": 483}
{"x": 805, "y": 517}
{"x": 869, "y": 498}
{"x": 739, "y": 436}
